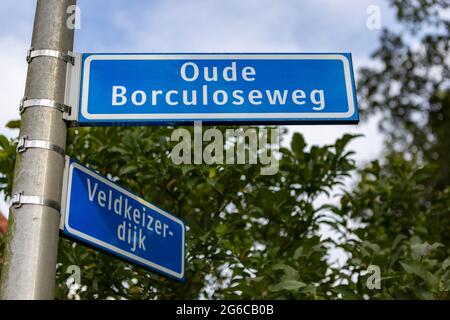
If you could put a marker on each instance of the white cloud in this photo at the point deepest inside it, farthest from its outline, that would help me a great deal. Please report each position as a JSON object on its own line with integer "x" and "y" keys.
{"x": 12, "y": 84}
{"x": 12, "y": 81}
{"x": 244, "y": 26}
{"x": 192, "y": 26}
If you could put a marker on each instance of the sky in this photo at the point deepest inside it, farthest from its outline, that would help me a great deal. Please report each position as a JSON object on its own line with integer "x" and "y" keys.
{"x": 205, "y": 26}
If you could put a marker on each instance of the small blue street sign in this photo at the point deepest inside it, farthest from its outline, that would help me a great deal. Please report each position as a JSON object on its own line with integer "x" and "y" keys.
{"x": 99, "y": 213}
{"x": 171, "y": 89}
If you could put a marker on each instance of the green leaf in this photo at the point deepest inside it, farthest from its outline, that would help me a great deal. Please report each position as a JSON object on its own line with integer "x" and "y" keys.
{"x": 118, "y": 150}
{"x": 298, "y": 143}
{"x": 420, "y": 250}
{"x": 446, "y": 263}
{"x": 343, "y": 142}
{"x": 289, "y": 272}
{"x": 4, "y": 142}
{"x": 212, "y": 172}
{"x": 416, "y": 268}
{"x": 298, "y": 252}
{"x": 221, "y": 229}
{"x": 187, "y": 168}
{"x": 413, "y": 268}
{"x": 13, "y": 124}
{"x": 128, "y": 170}
{"x": 290, "y": 285}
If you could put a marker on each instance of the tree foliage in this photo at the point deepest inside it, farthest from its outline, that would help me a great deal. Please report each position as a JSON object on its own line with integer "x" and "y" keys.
{"x": 401, "y": 205}
{"x": 247, "y": 232}
{"x": 249, "y": 235}
{"x": 397, "y": 228}
{"x": 410, "y": 86}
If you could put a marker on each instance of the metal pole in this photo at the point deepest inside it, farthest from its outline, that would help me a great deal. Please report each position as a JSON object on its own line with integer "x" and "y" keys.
{"x": 31, "y": 249}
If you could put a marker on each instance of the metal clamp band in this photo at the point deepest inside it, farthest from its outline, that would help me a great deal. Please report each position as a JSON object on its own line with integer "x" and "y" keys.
{"x": 66, "y": 57}
{"x": 24, "y": 144}
{"x": 19, "y": 199}
{"x": 28, "y": 103}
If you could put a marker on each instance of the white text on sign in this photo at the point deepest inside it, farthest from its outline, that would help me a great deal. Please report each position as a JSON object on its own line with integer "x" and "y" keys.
{"x": 136, "y": 221}
{"x": 191, "y": 72}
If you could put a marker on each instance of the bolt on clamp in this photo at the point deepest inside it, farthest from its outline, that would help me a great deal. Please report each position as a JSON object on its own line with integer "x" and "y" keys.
{"x": 19, "y": 199}
{"x": 29, "y": 103}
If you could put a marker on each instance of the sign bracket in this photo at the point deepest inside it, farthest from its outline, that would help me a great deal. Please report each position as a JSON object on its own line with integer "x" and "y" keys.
{"x": 72, "y": 93}
{"x": 25, "y": 143}
{"x": 29, "y": 103}
{"x": 19, "y": 199}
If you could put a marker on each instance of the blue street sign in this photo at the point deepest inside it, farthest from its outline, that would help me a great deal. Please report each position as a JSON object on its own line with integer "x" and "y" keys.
{"x": 171, "y": 89}
{"x": 99, "y": 213}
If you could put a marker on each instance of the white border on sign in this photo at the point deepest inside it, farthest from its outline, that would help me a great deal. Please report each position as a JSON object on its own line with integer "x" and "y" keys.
{"x": 109, "y": 246}
{"x": 64, "y": 192}
{"x": 219, "y": 116}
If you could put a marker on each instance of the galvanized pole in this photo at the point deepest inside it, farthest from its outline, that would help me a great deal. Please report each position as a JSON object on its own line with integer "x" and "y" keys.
{"x": 29, "y": 269}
